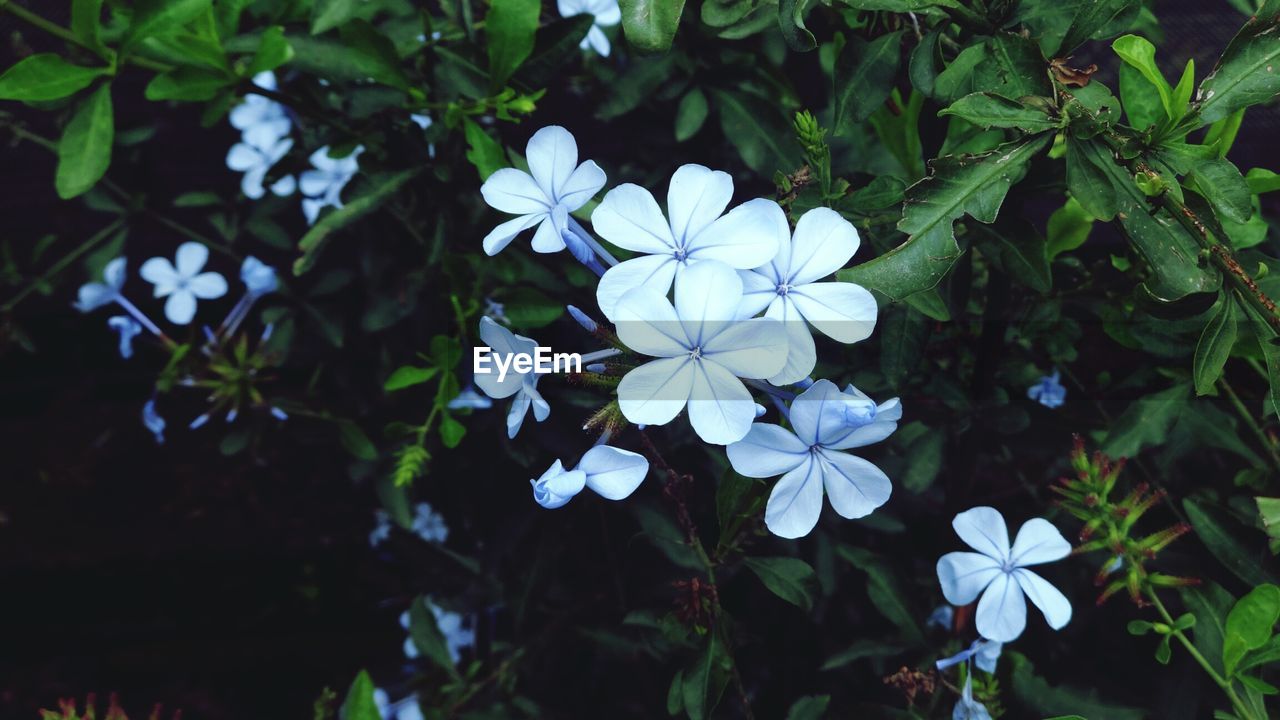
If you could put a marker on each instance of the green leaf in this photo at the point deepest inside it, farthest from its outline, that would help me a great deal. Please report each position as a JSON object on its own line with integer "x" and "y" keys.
{"x": 705, "y": 678}
{"x": 556, "y": 44}
{"x": 322, "y": 232}
{"x": 84, "y": 151}
{"x": 1182, "y": 91}
{"x": 511, "y": 26}
{"x": 972, "y": 184}
{"x": 810, "y": 707}
{"x": 1221, "y": 183}
{"x": 864, "y": 648}
{"x": 360, "y": 704}
{"x": 1266, "y": 336}
{"x": 729, "y": 494}
{"x": 1037, "y": 694}
{"x": 1019, "y": 251}
{"x": 675, "y": 694}
{"x": 329, "y": 14}
{"x": 1063, "y": 25}
{"x": 529, "y": 309}
{"x": 188, "y": 84}
{"x": 757, "y": 128}
{"x": 451, "y": 431}
{"x": 904, "y": 333}
{"x": 1146, "y": 422}
{"x": 154, "y": 17}
{"x": 483, "y": 151}
{"x": 1246, "y": 74}
{"x": 1210, "y": 605}
{"x": 1250, "y": 623}
{"x": 1140, "y": 54}
{"x": 46, "y": 77}
{"x": 1212, "y": 529}
{"x": 1258, "y": 685}
{"x": 86, "y": 23}
{"x": 791, "y": 579}
{"x": 1269, "y": 513}
{"x": 426, "y": 635}
{"x": 650, "y": 25}
{"x": 1265, "y": 655}
{"x": 273, "y": 51}
{"x": 1088, "y": 180}
{"x": 886, "y": 592}
{"x": 408, "y": 376}
{"x": 791, "y": 21}
{"x": 1141, "y": 101}
{"x": 691, "y": 114}
{"x": 1215, "y": 345}
{"x": 368, "y": 53}
{"x": 355, "y": 441}
{"x": 1138, "y": 627}
{"x": 863, "y": 76}
{"x": 1068, "y": 228}
{"x": 988, "y": 110}
{"x": 1262, "y": 180}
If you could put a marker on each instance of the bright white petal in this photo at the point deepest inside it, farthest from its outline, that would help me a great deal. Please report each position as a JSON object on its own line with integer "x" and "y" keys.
{"x": 796, "y": 502}
{"x": 654, "y": 272}
{"x": 569, "y": 8}
{"x": 696, "y": 197}
{"x": 755, "y": 348}
{"x": 865, "y": 435}
{"x": 1038, "y": 541}
{"x": 502, "y": 342}
{"x": 767, "y": 451}
{"x": 311, "y": 210}
{"x": 654, "y": 393}
{"x": 208, "y": 286}
{"x": 547, "y": 239}
{"x": 92, "y": 296}
{"x": 582, "y": 185}
{"x": 113, "y": 273}
{"x": 501, "y": 236}
{"x": 160, "y": 272}
{"x": 720, "y": 407}
{"x": 180, "y": 308}
{"x": 314, "y": 182}
{"x": 1055, "y": 606}
{"x": 810, "y": 407}
{"x": 613, "y": 473}
{"x": 285, "y": 186}
{"x": 514, "y": 191}
{"x": 552, "y": 154}
{"x": 1002, "y": 611}
{"x": 647, "y": 324}
{"x": 854, "y": 486}
{"x": 963, "y": 575}
{"x": 191, "y": 258}
{"x": 630, "y": 218}
{"x": 747, "y": 237}
{"x": 842, "y": 311}
{"x": 515, "y": 416}
{"x": 241, "y": 157}
{"x": 984, "y": 530}
{"x": 607, "y": 12}
{"x": 598, "y": 41}
{"x": 707, "y": 298}
{"x": 823, "y": 242}
{"x": 758, "y": 291}
{"x": 251, "y": 183}
{"x": 802, "y": 354}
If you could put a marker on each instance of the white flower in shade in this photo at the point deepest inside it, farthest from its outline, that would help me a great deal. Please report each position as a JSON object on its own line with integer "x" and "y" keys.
{"x": 94, "y": 295}
{"x": 128, "y": 329}
{"x": 787, "y": 289}
{"x": 323, "y": 184}
{"x": 524, "y": 386}
{"x": 555, "y": 186}
{"x": 183, "y": 283}
{"x": 998, "y": 572}
{"x": 261, "y": 121}
{"x": 612, "y": 473}
{"x": 695, "y": 229}
{"x": 605, "y": 13}
{"x": 258, "y": 277}
{"x": 255, "y": 162}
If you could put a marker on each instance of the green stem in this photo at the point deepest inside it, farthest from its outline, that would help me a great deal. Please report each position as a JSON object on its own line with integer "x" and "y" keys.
{"x": 1236, "y": 703}
{"x": 1253, "y": 424}
{"x": 61, "y": 265}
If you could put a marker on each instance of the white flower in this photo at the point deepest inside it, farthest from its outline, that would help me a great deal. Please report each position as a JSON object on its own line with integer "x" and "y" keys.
{"x": 1001, "y": 572}
{"x": 629, "y": 217}
{"x": 555, "y": 186}
{"x": 262, "y": 121}
{"x": 612, "y": 473}
{"x": 606, "y": 13}
{"x": 93, "y": 295}
{"x": 702, "y": 350}
{"x": 323, "y": 184}
{"x": 787, "y": 289}
{"x": 183, "y": 283}
{"x": 255, "y": 162}
{"x": 524, "y": 386}
{"x": 429, "y": 524}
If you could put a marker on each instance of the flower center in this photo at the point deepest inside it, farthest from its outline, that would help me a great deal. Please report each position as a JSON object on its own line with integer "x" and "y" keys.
{"x": 696, "y": 353}
{"x": 681, "y": 254}
{"x": 784, "y": 288}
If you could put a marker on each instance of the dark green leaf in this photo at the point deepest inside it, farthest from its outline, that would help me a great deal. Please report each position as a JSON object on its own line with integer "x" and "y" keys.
{"x": 1210, "y": 604}
{"x": 886, "y": 592}
{"x": 791, "y": 21}
{"x": 1020, "y": 251}
{"x": 1089, "y": 183}
{"x": 1068, "y": 228}
{"x": 329, "y": 14}
{"x": 863, "y": 76}
{"x": 529, "y": 309}
{"x": 408, "y": 376}
{"x": 705, "y": 678}
{"x": 86, "y": 23}
{"x": 84, "y": 152}
{"x": 759, "y": 131}
{"x": 46, "y": 77}
{"x": 511, "y": 26}
{"x": 355, "y": 441}
{"x": 1215, "y": 345}
{"x": 691, "y": 114}
{"x": 650, "y": 25}
{"x": 426, "y": 635}
{"x": 1225, "y": 188}
{"x": 791, "y": 579}
{"x": 1038, "y": 694}
{"x": 1247, "y": 72}
{"x": 154, "y": 17}
{"x": 988, "y": 110}
{"x": 904, "y": 332}
{"x": 188, "y": 84}
{"x": 1146, "y": 422}
{"x": 811, "y": 707}
{"x": 322, "y": 232}
{"x": 1213, "y": 530}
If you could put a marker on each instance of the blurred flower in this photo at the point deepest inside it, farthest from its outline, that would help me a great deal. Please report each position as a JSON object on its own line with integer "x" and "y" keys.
{"x": 422, "y": 121}
{"x": 429, "y": 524}
{"x": 1048, "y": 391}
{"x": 255, "y": 161}
{"x": 183, "y": 283}
{"x": 323, "y": 184}
{"x": 697, "y": 229}
{"x": 786, "y": 289}
{"x": 984, "y": 653}
{"x": 605, "y": 13}
{"x": 496, "y": 310}
{"x": 94, "y": 295}
{"x": 152, "y": 420}
{"x": 524, "y": 386}
{"x": 128, "y": 329}
{"x": 381, "y": 528}
{"x": 262, "y": 121}
{"x": 406, "y": 709}
{"x": 258, "y": 277}
{"x": 611, "y": 472}
{"x": 942, "y": 616}
{"x": 968, "y": 708}
{"x": 702, "y": 352}
{"x": 555, "y": 186}
{"x": 469, "y": 398}
{"x": 809, "y": 460}
{"x": 582, "y": 319}
{"x": 1001, "y": 572}
{"x": 451, "y": 624}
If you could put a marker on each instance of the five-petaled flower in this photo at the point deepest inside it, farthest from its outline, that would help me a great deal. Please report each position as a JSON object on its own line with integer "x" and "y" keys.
{"x": 695, "y": 229}
{"x": 255, "y": 161}
{"x": 605, "y": 13}
{"x": 524, "y": 386}
{"x": 786, "y": 288}
{"x": 555, "y": 186}
{"x": 1048, "y": 391}
{"x": 702, "y": 350}
{"x": 322, "y": 185}
{"x": 611, "y": 472}
{"x": 261, "y": 120}
{"x": 183, "y": 282}
{"x": 809, "y": 457}
{"x": 1002, "y": 572}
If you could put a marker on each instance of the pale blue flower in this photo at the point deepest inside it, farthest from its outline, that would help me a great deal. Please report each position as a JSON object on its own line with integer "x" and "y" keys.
{"x": 128, "y": 329}
{"x": 787, "y": 289}
{"x": 611, "y": 472}
{"x": 152, "y": 421}
{"x": 809, "y": 458}
{"x": 582, "y": 319}
{"x": 93, "y": 295}
{"x": 323, "y": 184}
{"x": 968, "y": 708}
{"x": 258, "y": 277}
{"x": 695, "y": 228}
{"x": 262, "y": 121}
{"x": 1048, "y": 391}
{"x": 523, "y": 386}
{"x": 429, "y": 524}
{"x": 422, "y": 121}
{"x": 942, "y": 616}
{"x": 255, "y": 161}
{"x": 1001, "y": 572}
{"x": 457, "y": 637}
{"x": 381, "y": 529}
{"x": 984, "y": 653}
{"x": 279, "y": 414}
{"x": 555, "y": 186}
{"x": 184, "y": 282}
{"x": 702, "y": 352}
{"x": 605, "y": 13}
{"x": 496, "y": 310}
{"x": 471, "y": 399}
{"x": 405, "y": 709}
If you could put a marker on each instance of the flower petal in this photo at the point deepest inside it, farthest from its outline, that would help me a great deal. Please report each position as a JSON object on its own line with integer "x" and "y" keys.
{"x": 842, "y": 311}
{"x": 854, "y": 486}
{"x": 767, "y": 451}
{"x": 553, "y": 155}
{"x": 598, "y": 41}
{"x": 584, "y": 183}
{"x": 613, "y": 473}
{"x": 654, "y": 393}
{"x": 808, "y": 409}
{"x": 514, "y": 191}
{"x": 241, "y": 157}
{"x": 501, "y": 236}
{"x": 515, "y": 416}
{"x": 755, "y": 348}
{"x": 191, "y": 257}
{"x": 1002, "y": 611}
{"x": 802, "y": 354}
{"x": 747, "y": 237}
{"x": 759, "y": 291}
{"x": 502, "y": 342}
{"x": 1055, "y": 606}
{"x": 647, "y": 324}
{"x": 314, "y": 182}
{"x": 159, "y": 272}
{"x": 607, "y": 12}
{"x": 1038, "y": 541}
{"x": 654, "y": 272}
{"x": 721, "y": 409}
{"x": 92, "y": 296}
{"x": 180, "y": 308}
{"x": 795, "y": 504}
{"x": 696, "y": 196}
{"x": 823, "y": 242}
{"x": 963, "y": 575}
{"x": 547, "y": 239}
{"x": 707, "y": 298}
{"x": 984, "y": 530}
{"x": 630, "y": 218}
{"x": 113, "y": 273}
{"x": 208, "y": 286}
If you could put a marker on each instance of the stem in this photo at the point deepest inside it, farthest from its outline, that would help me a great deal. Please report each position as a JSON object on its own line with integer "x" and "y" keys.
{"x": 600, "y": 355}
{"x": 1248, "y": 420}
{"x": 143, "y": 320}
{"x": 1240, "y": 708}
{"x": 59, "y": 266}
